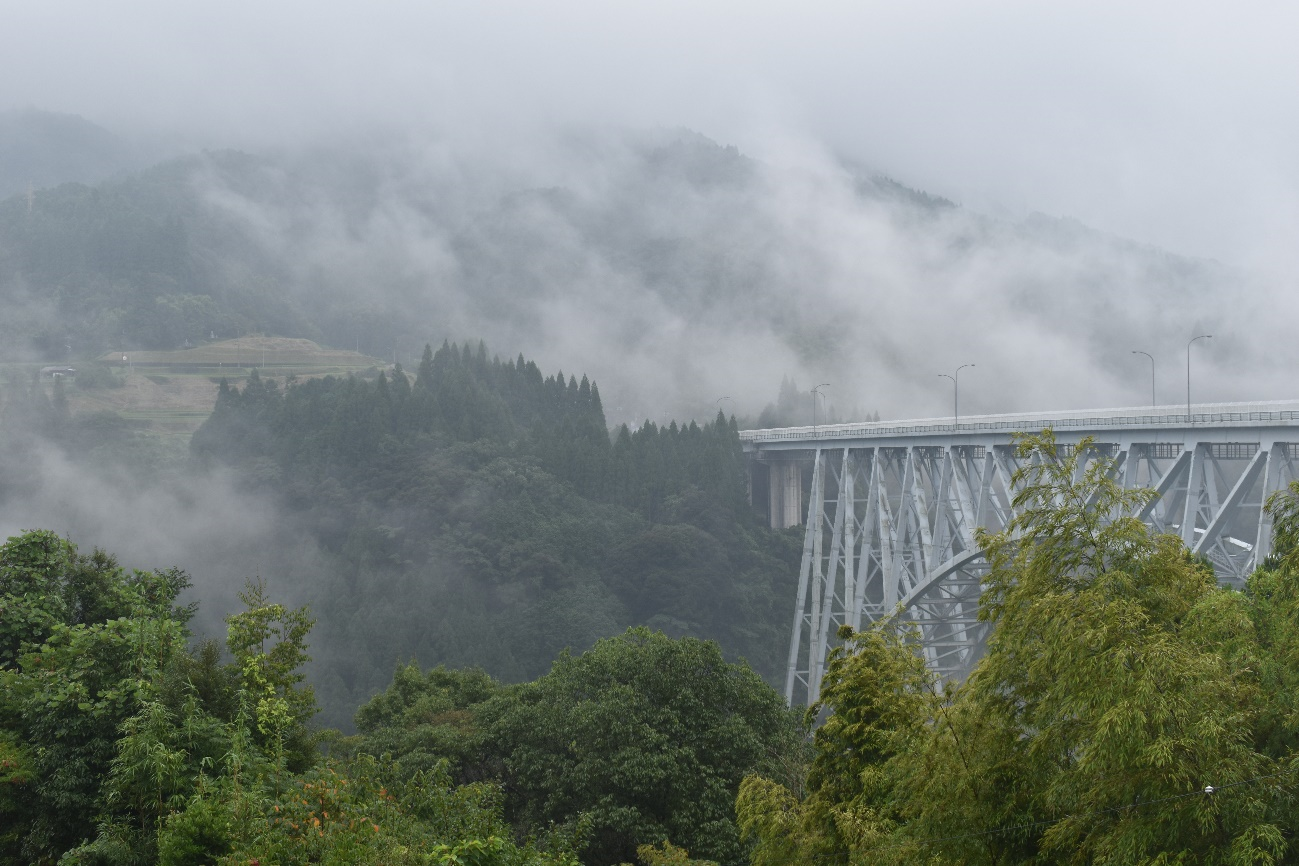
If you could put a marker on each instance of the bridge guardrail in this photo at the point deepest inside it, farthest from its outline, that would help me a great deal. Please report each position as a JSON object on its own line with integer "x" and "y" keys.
{"x": 857, "y": 431}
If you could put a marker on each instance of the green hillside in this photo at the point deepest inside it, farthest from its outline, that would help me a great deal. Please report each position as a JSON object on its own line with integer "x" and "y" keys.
{"x": 482, "y": 514}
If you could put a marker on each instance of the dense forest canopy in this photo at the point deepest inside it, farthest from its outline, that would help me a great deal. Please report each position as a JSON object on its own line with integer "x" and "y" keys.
{"x": 481, "y": 513}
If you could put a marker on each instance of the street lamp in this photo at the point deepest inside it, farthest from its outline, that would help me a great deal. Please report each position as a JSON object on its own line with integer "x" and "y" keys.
{"x": 816, "y": 392}
{"x": 1188, "y": 372}
{"x": 956, "y": 393}
{"x": 1153, "y": 403}
{"x": 718, "y": 404}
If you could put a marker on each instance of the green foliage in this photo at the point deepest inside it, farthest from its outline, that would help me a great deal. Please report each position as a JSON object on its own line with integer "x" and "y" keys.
{"x": 879, "y": 696}
{"x": 121, "y": 744}
{"x": 132, "y": 260}
{"x": 16, "y": 775}
{"x": 45, "y": 582}
{"x": 1098, "y": 690}
{"x": 83, "y": 642}
{"x": 197, "y": 835}
{"x": 641, "y": 739}
{"x": 268, "y": 642}
{"x": 346, "y": 814}
{"x": 1273, "y": 593}
{"x": 644, "y": 737}
{"x": 492, "y": 851}
{"x": 668, "y": 854}
{"x": 426, "y": 719}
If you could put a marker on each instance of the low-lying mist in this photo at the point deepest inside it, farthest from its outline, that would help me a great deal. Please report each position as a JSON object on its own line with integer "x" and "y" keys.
{"x": 678, "y": 271}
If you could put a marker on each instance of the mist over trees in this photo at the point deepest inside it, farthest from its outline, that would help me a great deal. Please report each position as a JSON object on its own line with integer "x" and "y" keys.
{"x": 480, "y": 513}
{"x": 675, "y": 267}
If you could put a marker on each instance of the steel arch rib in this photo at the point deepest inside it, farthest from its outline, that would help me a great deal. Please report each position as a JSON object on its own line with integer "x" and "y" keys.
{"x": 956, "y": 563}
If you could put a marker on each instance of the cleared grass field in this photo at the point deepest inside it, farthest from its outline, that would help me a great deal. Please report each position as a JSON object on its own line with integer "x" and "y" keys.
{"x": 172, "y": 393}
{"x": 247, "y": 352}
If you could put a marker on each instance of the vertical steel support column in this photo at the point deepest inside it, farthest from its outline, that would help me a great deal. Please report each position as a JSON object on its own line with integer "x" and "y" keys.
{"x": 870, "y": 533}
{"x": 985, "y": 491}
{"x": 815, "y": 518}
{"x": 1195, "y": 482}
{"x": 942, "y": 531}
{"x": 963, "y": 530}
{"x": 800, "y": 605}
{"x": 1272, "y": 482}
{"x": 848, "y": 480}
{"x": 888, "y": 533}
{"x": 922, "y": 542}
{"x": 902, "y": 524}
{"x": 816, "y": 665}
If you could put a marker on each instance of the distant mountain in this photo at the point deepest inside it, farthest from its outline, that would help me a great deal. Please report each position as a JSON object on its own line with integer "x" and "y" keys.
{"x": 676, "y": 269}
{"x": 43, "y": 149}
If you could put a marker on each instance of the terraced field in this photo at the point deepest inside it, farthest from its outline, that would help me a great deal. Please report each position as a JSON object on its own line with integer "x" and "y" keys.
{"x": 284, "y": 355}
{"x": 172, "y": 393}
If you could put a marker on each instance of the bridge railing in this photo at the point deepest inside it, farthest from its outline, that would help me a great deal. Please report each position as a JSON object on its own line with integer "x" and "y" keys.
{"x": 1016, "y": 424}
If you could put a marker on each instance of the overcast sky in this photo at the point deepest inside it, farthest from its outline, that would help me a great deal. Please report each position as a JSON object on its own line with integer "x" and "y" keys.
{"x": 1175, "y": 123}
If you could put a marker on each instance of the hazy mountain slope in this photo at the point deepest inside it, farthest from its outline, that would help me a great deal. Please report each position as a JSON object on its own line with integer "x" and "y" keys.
{"x": 44, "y": 149}
{"x": 676, "y": 269}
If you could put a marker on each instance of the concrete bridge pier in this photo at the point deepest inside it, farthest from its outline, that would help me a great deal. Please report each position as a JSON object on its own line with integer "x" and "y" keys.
{"x": 785, "y": 493}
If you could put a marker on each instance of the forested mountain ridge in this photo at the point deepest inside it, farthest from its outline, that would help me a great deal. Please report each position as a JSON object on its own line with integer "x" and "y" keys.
{"x": 482, "y": 514}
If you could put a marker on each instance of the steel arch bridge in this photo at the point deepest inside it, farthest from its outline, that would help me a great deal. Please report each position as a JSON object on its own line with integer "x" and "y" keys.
{"x": 891, "y": 508}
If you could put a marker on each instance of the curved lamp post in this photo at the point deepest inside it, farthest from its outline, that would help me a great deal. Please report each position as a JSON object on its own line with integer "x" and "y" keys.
{"x": 956, "y": 393}
{"x": 1188, "y": 373}
{"x": 816, "y": 392}
{"x": 1153, "y": 403}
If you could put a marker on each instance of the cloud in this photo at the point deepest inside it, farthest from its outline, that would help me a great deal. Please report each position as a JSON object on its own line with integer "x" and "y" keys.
{"x": 675, "y": 270}
{"x": 1168, "y": 122}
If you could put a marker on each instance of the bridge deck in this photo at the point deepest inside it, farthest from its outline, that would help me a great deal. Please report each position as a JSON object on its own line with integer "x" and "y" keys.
{"x": 1281, "y": 413}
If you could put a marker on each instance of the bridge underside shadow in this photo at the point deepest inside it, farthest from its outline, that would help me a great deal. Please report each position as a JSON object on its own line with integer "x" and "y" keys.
{"x": 890, "y": 519}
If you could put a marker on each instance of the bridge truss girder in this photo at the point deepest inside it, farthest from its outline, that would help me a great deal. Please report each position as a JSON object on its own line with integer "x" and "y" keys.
{"x": 893, "y": 527}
